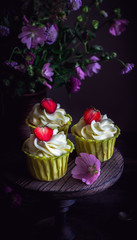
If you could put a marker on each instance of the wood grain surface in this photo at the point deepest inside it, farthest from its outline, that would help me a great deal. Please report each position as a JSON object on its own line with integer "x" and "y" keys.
{"x": 66, "y": 187}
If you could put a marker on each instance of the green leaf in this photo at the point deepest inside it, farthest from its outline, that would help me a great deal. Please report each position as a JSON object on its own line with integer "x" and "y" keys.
{"x": 37, "y": 60}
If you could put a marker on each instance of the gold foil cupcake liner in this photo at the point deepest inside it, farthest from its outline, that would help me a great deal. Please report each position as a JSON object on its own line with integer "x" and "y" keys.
{"x": 63, "y": 128}
{"x": 101, "y": 149}
{"x": 47, "y": 169}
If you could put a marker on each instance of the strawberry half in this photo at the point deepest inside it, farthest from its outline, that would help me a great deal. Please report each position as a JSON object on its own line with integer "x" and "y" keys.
{"x": 43, "y": 133}
{"x": 49, "y": 105}
{"x": 91, "y": 114}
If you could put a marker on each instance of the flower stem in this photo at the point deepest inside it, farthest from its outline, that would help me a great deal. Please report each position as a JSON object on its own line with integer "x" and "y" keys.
{"x": 119, "y": 60}
{"x": 13, "y": 53}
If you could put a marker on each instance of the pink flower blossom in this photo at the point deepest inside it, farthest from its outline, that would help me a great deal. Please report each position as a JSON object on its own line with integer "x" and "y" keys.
{"x": 80, "y": 73}
{"x": 47, "y": 72}
{"x": 127, "y": 68}
{"x": 87, "y": 168}
{"x": 93, "y": 67}
{"x": 118, "y": 26}
{"x": 51, "y": 34}
{"x": 32, "y": 36}
{"x": 73, "y": 85}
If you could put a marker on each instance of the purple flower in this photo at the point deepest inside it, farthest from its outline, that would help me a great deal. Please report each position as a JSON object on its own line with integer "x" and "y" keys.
{"x": 47, "y": 85}
{"x": 74, "y": 4}
{"x": 29, "y": 58}
{"x": 73, "y": 84}
{"x": 32, "y": 36}
{"x": 47, "y": 72}
{"x": 21, "y": 68}
{"x": 87, "y": 168}
{"x": 25, "y": 19}
{"x": 16, "y": 66}
{"x": 93, "y": 67}
{"x": 118, "y": 26}
{"x": 51, "y": 34}
{"x": 128, "y": 67}
{"x": 11, "y": 64}
{"x": 4, "y": 31}
{"x": 80, "y": 73}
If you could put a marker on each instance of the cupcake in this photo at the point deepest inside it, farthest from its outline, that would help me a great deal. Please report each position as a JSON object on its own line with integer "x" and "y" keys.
{"x": 47, "y": 152}
{"x": 95, "y": 134}
{"x": 48, "y": 113}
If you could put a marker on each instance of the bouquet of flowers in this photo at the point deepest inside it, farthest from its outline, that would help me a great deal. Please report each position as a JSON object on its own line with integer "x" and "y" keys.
{"x": 52, "y": 43}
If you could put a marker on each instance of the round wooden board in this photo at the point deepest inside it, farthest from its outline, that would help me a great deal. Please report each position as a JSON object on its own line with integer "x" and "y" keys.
{"x": 66, "y": 187}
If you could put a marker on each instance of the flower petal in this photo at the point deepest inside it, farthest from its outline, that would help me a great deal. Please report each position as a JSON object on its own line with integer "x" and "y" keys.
{"x": 87, "y": 168}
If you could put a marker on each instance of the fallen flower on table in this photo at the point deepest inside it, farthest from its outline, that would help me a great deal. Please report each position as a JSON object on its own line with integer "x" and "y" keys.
{"x": 87, "y": 168}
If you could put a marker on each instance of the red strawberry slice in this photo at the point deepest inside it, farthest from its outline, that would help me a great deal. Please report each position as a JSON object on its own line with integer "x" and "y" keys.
{"x": 91, "y": 114}
{"x": 43, "y": 133}
{"x": 49, "y": 105}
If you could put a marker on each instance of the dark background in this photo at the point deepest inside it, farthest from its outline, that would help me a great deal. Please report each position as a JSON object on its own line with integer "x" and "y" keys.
{"x": 111, "y": 214}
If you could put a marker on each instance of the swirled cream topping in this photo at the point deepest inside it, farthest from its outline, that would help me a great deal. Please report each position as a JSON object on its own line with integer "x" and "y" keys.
{"x": 100, "y": 130}
{"x": 39, "y": 117}
{"x": 56, "y": 146}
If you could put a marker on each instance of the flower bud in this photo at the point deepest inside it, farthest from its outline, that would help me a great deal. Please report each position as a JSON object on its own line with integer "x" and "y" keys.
{"x": 117, "y": 11}
{"x": 97, "y": 47}
{"x": 97, "y": 2}
{"x": 80, "y": 18}
{"x": 87, "y": 61}
{"x": 95, "y": 24}
{"x": 113, "y": 54}
{"x": 85, "y": 9}
{"x": 30, "y": 70}
{"x": 107, "y": 57}
{"x": 104, "y": 13}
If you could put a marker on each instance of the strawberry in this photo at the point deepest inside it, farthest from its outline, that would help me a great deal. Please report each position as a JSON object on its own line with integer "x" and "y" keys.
{"x": 91, "y": 114}
{"x": 43, "y": 133}
{"x": 49, "y": 105}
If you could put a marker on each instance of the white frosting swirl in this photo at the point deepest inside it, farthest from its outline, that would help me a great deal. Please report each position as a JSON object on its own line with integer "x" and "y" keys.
{"x": 100, "y": 130}
{"x": 39, "y": 117}
{"x": 56, "y": 146}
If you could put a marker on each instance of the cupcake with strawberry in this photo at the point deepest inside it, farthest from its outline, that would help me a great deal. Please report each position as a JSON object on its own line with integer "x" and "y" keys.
{"x": 47, "y": 152}
{"x": 95, "y": 134}
{"x": 48, "y": 113}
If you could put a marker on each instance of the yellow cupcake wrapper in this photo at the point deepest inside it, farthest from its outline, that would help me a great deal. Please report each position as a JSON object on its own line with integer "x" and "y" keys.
{"x": 63, "y": 128}
{"x": 47, "y": 169}
{"x": 101, "y": 149}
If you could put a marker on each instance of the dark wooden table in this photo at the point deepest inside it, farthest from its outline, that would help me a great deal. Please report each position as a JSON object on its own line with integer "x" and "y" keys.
{"x": 63, "y": 192}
